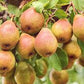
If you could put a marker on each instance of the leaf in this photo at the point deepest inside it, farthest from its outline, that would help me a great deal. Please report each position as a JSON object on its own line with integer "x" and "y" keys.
{"x": 14, "y": 10}
{"x": 0, "y": 22}
{"x": 79, "y": 4}
{"x": 38, "y": 81}
{"x": 72, "y": 14}
{"x": 38, "y": 6}
{"x": 2, "y": 8}
{"x": 60, "y": 13}
{"x": 52, "y": 4}
{"x": 45, "y": 2}
{"x": 54, "y": 62}
{"x": 62, "y": 57}
{"x": 81, "y": 44}
{"x": 63, "y": 2}
{"x": 26, "y": 6}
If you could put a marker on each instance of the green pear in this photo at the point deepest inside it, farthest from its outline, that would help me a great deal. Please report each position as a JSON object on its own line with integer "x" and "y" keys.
{"x": 62, "y": 30}
{"x": 73, "y": 50}
{"x": 41, "y": 68}
{"x": 24, "y": 73}
{"x": 78, "y": 26}
{"x": 7, "y": 62}
{"x": 58, "y": 77}
{"x": 9, "y": 35}
{"x": 45, "y": 43}
{"x": 25, "y": 46}
{"x": 31, "y": 21}
{"x": 8, "y": 80}
{"x": 71, "y": 62}
{"x": 81, "y": 61}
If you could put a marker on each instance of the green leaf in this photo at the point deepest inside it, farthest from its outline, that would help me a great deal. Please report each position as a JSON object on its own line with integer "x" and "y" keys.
{"x": 72, "y": 14}
{"x": 38, "y": 6}
{"x": 14, "y": 10}
{"x": 52, "y": 4}
{"x": 45, "y": 2}
{"x": 38, "y": 81}
{"x": 79, "y": 4}
{"x": 63, "y": 2}
{"x": 2, "y": 8}
{"x": 81, "y": 44}
{"x": 62, "y": 57}
{"x": 54, "y": 62}
{"x": 0, "y": 22}
{"x": 60, "y": 13}
{"x": 26, "y": 6}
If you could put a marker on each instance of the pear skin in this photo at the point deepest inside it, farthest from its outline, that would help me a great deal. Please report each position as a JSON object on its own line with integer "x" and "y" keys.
{"x": 7, "y": 62}
{"x": 9, "y": 35}
{"x": 78, "y": 26}
{"x": 45, "y": 43}
{"x": 73, "y": 50}
{"x": 62, "y": 30}
{"x": 81, "y": 60}
{"x": 71, "y": 62}
{"x": 25, "y": 46}
{"x": 41, "y": 68}
{"x": 58, "y": 77}
{"x": 8, "y": 80}
{"x": 31, "y": 21}
{"x": 24, "y": 73}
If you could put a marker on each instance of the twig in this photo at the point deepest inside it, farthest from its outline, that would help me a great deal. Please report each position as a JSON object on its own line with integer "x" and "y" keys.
{"x": 46, "y": 24}
{"x": 74, "y": 9}
{"x": 23, "y": 3}
{"x": 68, "y": 8}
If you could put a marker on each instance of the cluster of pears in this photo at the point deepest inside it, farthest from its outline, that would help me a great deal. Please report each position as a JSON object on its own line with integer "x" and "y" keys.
{"x": 35, "y": 39}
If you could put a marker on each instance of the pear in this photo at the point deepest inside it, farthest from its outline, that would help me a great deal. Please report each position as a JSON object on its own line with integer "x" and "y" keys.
{"x": 62, "y": 30}
{"x": 58, "y": 77}
{"x": 8, "y": 80}
{"x": 78, "y": 26}
{"x": 81, "y": 61}
{"x": 26, "y": 46}
{"x": 7, "y": 62}
{"x": 9, "y": 35}
{"x": 24, "y": 73}
{"x": 71, "y": 62}
{"x": 45, "y": 43}
{"x": 41, "y": 68}
{"x": 73, "y": 50}
{"x": 31, "y": 21}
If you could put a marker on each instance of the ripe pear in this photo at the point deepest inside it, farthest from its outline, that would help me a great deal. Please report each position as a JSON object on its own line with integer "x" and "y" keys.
{"x": 78, "y": 26}
{"x": 24, "y": 73}
{"x": 31, "y": 21}
{"x": 71, "y": 62}
{"x": 41, "y": 68}
{"x": 25, "y": 46}
{"x": 45, "y": 43}
{"x": 7, "y": 62}
{"x": 73, "y": 50}
{"x": 62, "y": 30}
{"x": 9, "y": 35}
{"x": 58, "y": 77}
